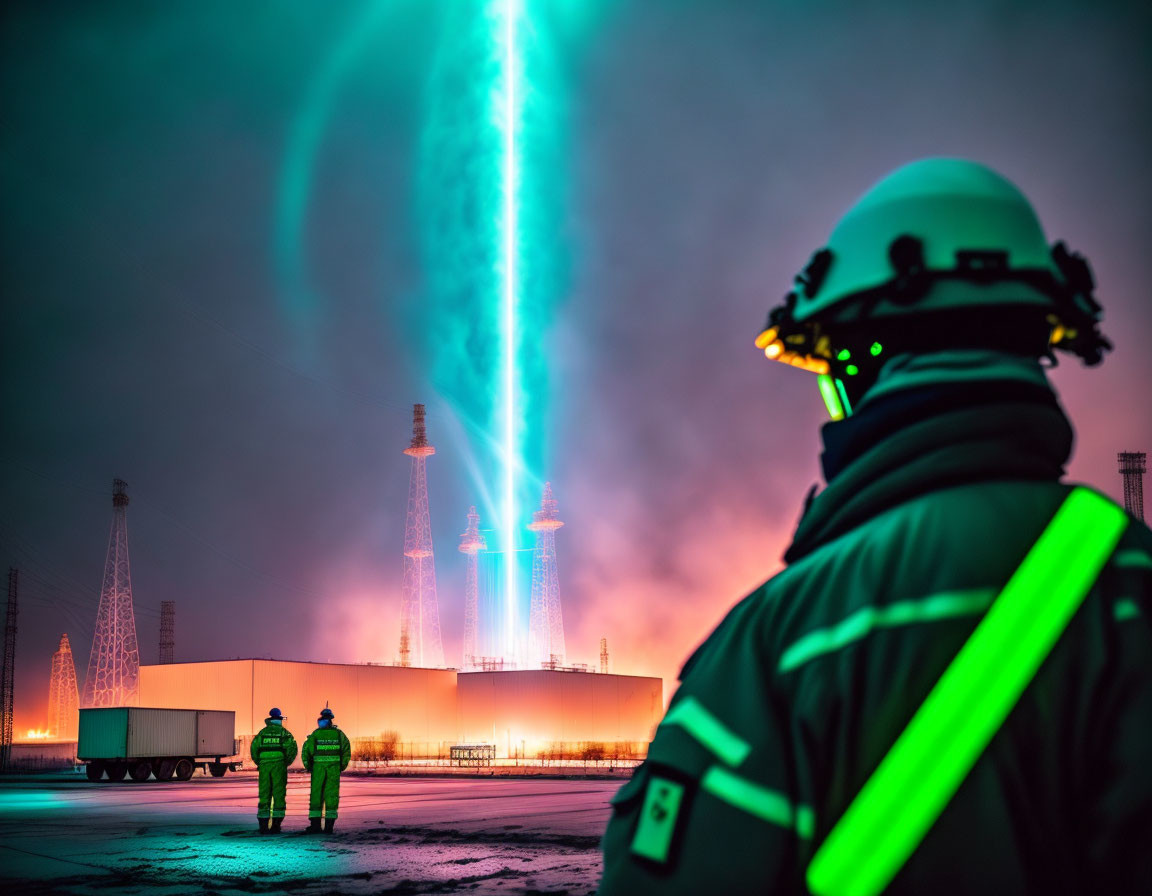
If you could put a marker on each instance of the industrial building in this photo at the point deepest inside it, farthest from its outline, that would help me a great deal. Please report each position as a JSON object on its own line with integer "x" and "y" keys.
{"x": 533, "y": 711}
{"x": 520, "y": 712}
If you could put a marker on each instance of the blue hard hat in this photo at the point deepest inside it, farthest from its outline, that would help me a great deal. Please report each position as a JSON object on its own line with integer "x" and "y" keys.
{"x": 274, "y": 713}
{"x": 326, "y": 713}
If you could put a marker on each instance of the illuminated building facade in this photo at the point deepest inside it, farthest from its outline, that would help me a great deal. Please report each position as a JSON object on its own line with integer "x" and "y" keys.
{"x": 522, "y": 713}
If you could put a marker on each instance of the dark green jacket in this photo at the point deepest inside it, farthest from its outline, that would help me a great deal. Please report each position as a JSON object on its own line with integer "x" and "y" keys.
{"x": 790, "y": 704}
{"x": 327, "y": 745}
{"x": 272, "y": 742}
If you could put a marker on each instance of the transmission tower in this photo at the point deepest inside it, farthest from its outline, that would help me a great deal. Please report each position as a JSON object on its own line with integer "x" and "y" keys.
{"x": 471, "y": 543}
{"x": 63, "y": 700}
{"x": 1132, "y": 468}
{"x": 7, "y": 678}
{"x": 604, "y": 656}
{"x": 419, "y": 613}
{"x": 545, "y": 621}
{"x": 114, "y": 663}
{"x": 167, "y": 628}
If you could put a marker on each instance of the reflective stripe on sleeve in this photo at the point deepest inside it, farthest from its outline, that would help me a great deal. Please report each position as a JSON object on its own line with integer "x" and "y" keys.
{"x": 948, "y": 605}
{"x": 1132, "y": 560}
{"x": 691, "y": 715}
{"x": 765, "y": 804}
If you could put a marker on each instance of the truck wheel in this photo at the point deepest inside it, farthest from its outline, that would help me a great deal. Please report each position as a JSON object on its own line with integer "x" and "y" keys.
{"x": 164, "y": 769}
{"x": 184, "y": 769}
{"x": 94, "y": 770}
{"x": 117, "y": 771}
{"x": 217, "y": 769}
{"x": 140, "y": 770}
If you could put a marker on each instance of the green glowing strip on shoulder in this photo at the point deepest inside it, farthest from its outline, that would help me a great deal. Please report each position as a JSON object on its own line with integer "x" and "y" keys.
{"x": 915, "y": 780}
{"x": 948, "y": 605}
{"x": 691, "y": 715}
{"x": 1125, "y": 609}
{"x": 1132, "y": 560}
{"x": 754, "y": 799}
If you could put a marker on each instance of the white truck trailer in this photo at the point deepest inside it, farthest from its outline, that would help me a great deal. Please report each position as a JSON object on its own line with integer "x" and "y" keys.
{"x": 140, "y": 742}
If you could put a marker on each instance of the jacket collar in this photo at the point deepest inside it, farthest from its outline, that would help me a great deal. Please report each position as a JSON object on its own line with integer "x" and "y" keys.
{"x": 914, "y": 442}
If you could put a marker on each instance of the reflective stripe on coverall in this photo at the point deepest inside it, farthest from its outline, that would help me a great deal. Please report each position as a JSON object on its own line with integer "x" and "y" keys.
{"x": 273, "y": 750}
{"x": 327, "y": 752}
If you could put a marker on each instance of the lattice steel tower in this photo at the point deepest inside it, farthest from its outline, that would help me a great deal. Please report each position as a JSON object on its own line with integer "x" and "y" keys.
{"x": 114, "y": 664}
{"x": 419, "y": 614}
{"x": 1132, "y": 468}
{"x": 167, "y": 631}
{"x": 63, "y": 699}
{"x": 471, "y": 543}
{"x": 545, "y": 621}
{"x": 8, "y": 675}
{"x": 604, "y": 655}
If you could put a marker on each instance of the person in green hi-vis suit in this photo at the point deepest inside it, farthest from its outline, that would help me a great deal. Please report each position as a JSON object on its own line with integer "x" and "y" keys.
{"x": 327, "y": 752}
{"x": 948, "y": 689}
{"x": 273, "y": 750}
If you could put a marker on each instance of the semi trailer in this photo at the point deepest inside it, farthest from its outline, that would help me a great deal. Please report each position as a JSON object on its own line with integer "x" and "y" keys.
{"x": 140, "y": 742}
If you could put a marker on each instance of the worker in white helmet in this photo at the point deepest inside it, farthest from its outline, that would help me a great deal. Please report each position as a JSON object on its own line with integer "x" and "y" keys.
{"x": 949, "y": 688}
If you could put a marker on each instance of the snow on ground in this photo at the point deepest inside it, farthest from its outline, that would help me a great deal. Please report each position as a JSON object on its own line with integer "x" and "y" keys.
{"x": 60, "y": 833}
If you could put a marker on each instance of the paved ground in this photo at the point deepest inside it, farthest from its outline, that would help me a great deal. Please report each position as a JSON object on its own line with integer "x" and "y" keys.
{"x": 61, "y": 834}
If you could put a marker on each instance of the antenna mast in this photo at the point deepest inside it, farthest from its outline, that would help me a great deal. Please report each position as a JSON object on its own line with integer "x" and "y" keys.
{"x": 471, "y": 543}
{"x": 1132, "y": 468}
{"x": 7, "y": 678}
{"x": 545, "y": 621}
{"x": 419, "y": 612}
{"x": 114, "y": 664}
{"x": 63, "y": 700}
{"x": 167, "y": 630}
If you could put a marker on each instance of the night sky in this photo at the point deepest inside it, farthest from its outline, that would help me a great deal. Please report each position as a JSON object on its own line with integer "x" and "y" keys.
{"x": 250, "y": 374}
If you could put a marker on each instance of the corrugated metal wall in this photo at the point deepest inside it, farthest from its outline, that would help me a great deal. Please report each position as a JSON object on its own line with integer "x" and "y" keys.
{"x": 528, "y": 710}
{"x": 161, "y": 732}
{"x": 419, "y": 704}
{"x": 226, "y": 684}
{"x": 214, "y": 732}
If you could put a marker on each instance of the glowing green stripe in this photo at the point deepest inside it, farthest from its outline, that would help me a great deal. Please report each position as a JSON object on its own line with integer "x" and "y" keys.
{"x": 1125, "y": 609}
{"x": 843, "y": 393}
{"x": 830, "y": 396}
{"x": 861, "y": 623}
{"x": 922, "y": 771}
{"x": 759, "y": 801}
{"x": 1132, "y": 560}
{"x": 691, "y": 715}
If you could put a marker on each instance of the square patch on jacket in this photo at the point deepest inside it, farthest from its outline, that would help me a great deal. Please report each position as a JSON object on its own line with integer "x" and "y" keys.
{"x": 659, "y": 815}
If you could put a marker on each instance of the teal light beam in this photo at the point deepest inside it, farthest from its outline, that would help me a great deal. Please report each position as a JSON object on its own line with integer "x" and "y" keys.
{"x": 509, "y": 120}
